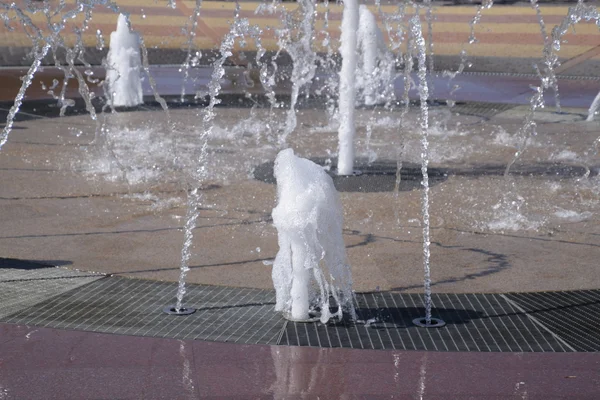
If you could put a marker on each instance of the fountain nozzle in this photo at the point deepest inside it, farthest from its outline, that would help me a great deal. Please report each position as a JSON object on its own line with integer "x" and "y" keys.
{"x": 433, "y": 322}
{"x": 172, "y": 310}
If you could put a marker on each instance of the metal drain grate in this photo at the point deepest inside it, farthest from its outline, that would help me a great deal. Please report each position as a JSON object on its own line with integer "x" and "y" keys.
{"x": 523, "y": 322}
{"x": 574, "y": 316}
{"x": 134, "y": 307}
{"x": 25, "y": 283}
{"x": 475, "y": 322}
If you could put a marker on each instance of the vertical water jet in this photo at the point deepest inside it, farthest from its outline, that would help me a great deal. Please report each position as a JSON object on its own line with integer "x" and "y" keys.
{"x": 593, "y": 108}
{"x": 124, "y": 74}
{"x": 419, "y": 43}
{"x": 347, "y": 91}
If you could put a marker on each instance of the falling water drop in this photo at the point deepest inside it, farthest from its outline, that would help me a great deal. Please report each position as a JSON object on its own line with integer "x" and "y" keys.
{"x": 99, "y": 40}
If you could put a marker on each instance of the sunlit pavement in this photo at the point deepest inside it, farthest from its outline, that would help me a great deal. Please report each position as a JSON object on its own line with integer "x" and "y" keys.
{"x": 507, "y": 38}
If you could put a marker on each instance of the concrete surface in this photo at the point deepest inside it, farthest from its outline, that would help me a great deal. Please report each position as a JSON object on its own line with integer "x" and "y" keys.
{"x": 116, "y": 205}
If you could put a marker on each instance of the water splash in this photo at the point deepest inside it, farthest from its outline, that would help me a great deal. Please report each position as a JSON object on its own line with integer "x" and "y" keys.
{"x": 99, "y": 40}
{"x": 529, "y": 128}
{"x": 593, "y": 108}
{"x": 191, "y": 28}
{"x": 39, "y": 55}
{"x": 510, "y": 214}
{"x": 328, "y": 63}
{"x": 268, "y": 70}
{"x": 146, "y": 66}
{"x": 581, "y": 11}
{"x": 49, "y": 41}
{"x": 239, "y": 28}
{"x": 369, "y": 42}
{"x": 548, "y": 79}
{"x": 376, "y": 69}
{"x": 408, "y": 68}
{"x": 396, "y": 31}
{"x": 550, "y": 59}
{"x": 464, "y": 61}
{"x": 303, "y": 56}
{"x": 41, "y": 47}
{"x": 429, "y": 17}
{"x": 408, "y": 83}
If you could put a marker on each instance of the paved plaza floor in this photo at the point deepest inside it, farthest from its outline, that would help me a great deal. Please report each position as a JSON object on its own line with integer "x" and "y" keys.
{"x": 114, "y": 201}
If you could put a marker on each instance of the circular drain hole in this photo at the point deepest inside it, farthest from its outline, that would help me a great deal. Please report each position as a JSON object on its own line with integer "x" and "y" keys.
{"x": 171, "y": 310}
{"x": 434, "y": 323}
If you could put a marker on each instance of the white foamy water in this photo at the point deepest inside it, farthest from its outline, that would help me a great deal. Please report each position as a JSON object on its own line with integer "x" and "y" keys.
{"x": 387, "y": 122}
{"x": 375, "y": 70}
{"x": 509, "y": 215}
{"x": 503, "y": 138}
{"x": 573, "y": 216}
{"x": 311, "y": 265}
{"x": 248, "y": 128}
{"x": 156, "y": 203}
{"x": 133, "y": 155}
{"x": 512, "y": 220}
{"x": 124, "y": 66}
{"x": 565, "y": 155}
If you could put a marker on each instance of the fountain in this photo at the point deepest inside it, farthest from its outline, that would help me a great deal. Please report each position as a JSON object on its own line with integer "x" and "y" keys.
{"x": 375, "y": 70}
{"x": 419, "y": 44}
{"x": 311, "y": 265}
{"x": 303, "y": 241}
{"x": 347, "y": 91}
{"x": 124, "y": 67}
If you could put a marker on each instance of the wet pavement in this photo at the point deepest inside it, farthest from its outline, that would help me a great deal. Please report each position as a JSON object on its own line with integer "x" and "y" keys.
{"x": 42, "y": 363}
{"x": 116, "y": 205}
